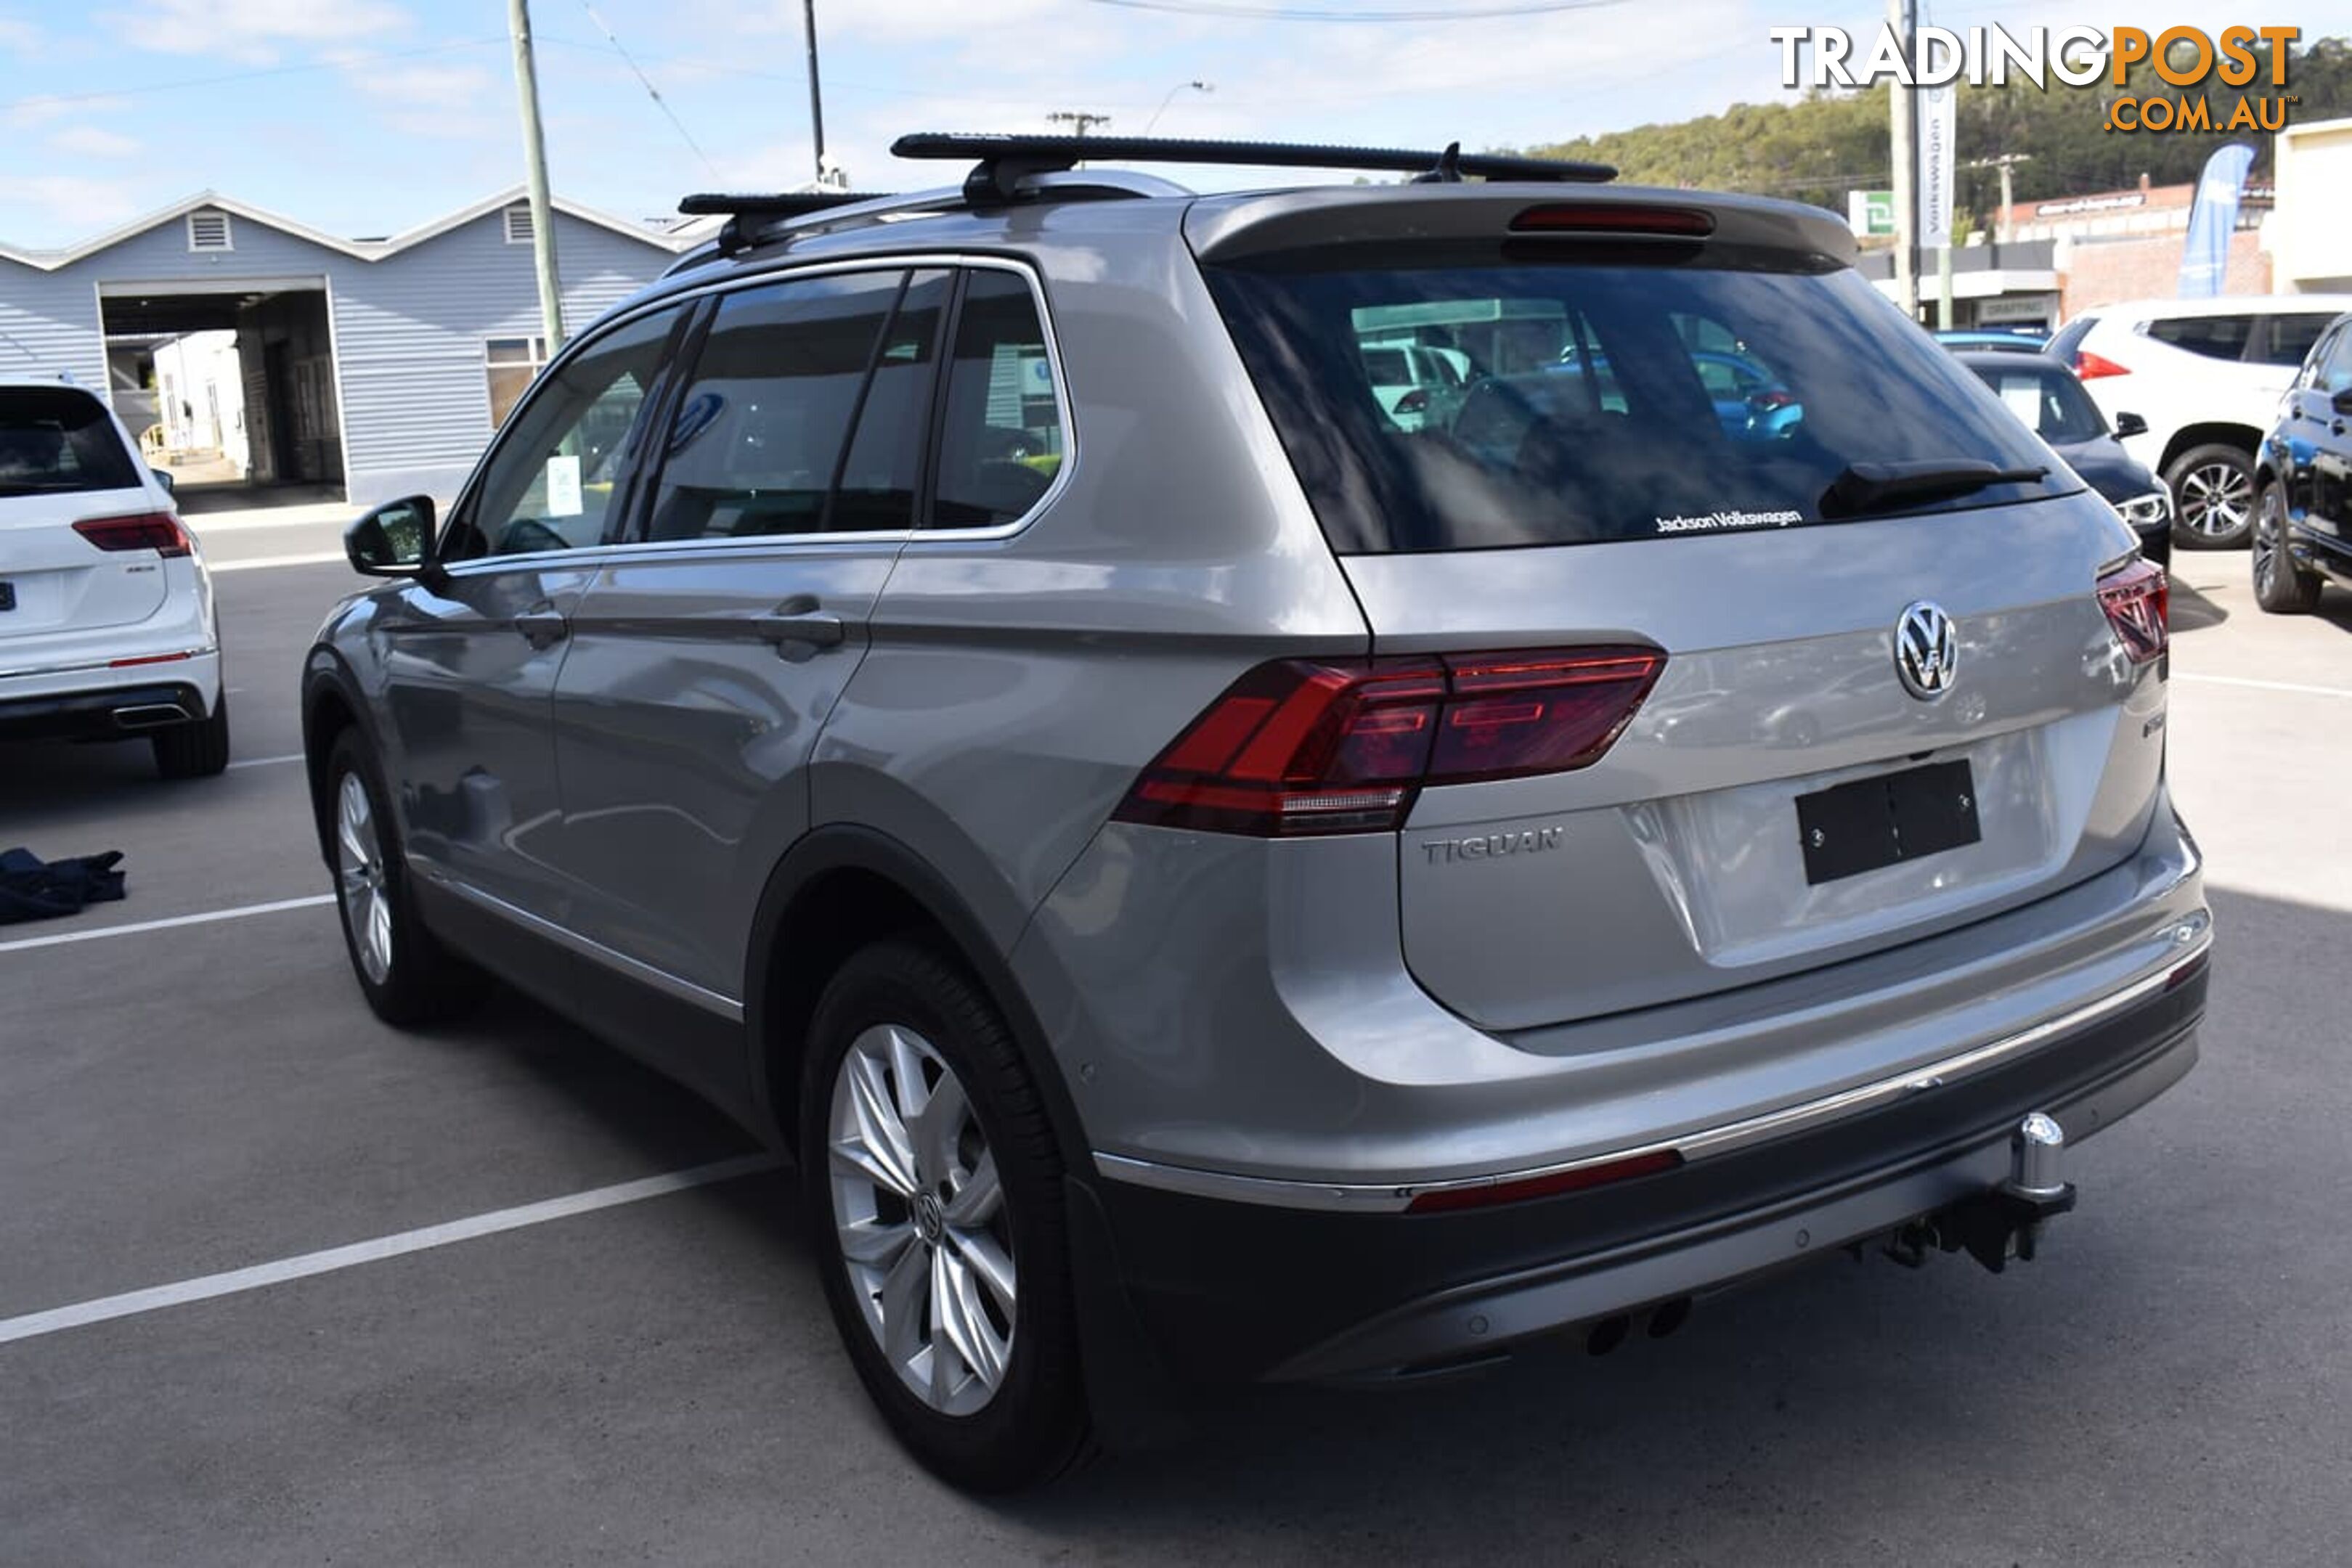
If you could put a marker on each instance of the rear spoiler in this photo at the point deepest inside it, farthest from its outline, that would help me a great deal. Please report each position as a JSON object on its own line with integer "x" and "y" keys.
{"x": 1230, "y": 228}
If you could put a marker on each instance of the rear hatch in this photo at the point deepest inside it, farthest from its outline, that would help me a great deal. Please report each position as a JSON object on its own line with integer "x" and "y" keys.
{"x": 1782, "y": 794}
{"x": 63, "y": 462}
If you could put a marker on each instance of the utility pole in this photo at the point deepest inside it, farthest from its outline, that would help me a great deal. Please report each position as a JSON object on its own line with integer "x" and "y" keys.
{"x": 1080, "y": 119}
{"x": 2004, "y": 164}
{"x": 535, "y": 149}
{"x": 816, "y": 102}
{"x": 1903, "y": 16}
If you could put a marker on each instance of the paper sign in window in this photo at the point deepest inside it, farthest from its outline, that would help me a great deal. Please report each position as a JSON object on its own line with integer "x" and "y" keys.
{"x": 2023, "y": 396}
{"x": 563, "y": 486}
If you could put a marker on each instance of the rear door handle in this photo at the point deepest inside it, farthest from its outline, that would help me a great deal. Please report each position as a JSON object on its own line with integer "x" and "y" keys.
{"x": 799, "y": 621}
{"x": 542, "y": 625}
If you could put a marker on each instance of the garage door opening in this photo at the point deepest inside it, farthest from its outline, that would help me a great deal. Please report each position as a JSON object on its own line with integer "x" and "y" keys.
{"x": 229, "y": 387}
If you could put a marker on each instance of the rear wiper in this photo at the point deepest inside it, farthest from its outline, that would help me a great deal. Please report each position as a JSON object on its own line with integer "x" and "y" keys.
{"x": 1873, "y": 486}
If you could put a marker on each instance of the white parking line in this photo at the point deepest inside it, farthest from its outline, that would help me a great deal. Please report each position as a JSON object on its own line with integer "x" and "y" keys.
{"x": 2265, "y": 686}
{"x": 316, "y": 557}
{"x": 24, "y": 943}
{"x": 266, "y": 761}
{"x": 155, "y": 1299}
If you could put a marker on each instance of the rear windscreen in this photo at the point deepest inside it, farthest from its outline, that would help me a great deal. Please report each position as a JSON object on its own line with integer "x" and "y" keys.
{"x": 1601, "y": 403}
{"x": 55, "y": 438}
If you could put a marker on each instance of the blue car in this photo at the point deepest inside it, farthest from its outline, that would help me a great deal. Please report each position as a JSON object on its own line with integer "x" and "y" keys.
{"x": 1749, "y": 401}
{"x": 1993, "y": 340}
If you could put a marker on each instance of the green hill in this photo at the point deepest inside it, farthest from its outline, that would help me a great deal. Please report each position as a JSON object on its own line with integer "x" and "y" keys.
{"x": 1817, "y": 149}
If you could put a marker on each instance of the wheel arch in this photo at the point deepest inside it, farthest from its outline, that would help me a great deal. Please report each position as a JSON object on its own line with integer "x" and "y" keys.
{"x": 841, "y": 888}
{"x": 2210, "y": 432}
{"x": 330, "y": 705}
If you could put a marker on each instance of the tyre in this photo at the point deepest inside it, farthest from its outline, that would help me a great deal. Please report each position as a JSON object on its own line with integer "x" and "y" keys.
{"x": 198, "y": 750}
{"x": 407, "y": 975}
{"x": 2212, "y": 497}
{"x": 2281, "y": 586}
{"x": 932, "y": 1187}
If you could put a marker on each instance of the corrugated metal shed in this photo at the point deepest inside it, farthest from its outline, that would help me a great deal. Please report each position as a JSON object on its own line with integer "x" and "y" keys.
{"x": 409, "y": 318}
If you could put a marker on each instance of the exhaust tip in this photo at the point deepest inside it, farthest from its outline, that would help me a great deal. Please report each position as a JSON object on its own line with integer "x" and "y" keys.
{"x": 149, "y": 716}
{"x": 1607, "y": 1334}
{"x": 1670, "y": 1316}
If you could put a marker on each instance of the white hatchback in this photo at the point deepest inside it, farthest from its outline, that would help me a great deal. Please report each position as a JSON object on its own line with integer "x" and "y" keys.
{"x": 107, "y": 629}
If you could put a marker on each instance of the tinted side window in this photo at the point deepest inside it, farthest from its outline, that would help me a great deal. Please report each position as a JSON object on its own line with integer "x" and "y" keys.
{"x": 557, "y": 478}
{"x": 58, "y": 438}
{"x": 1002, "y": 438}
{"x": 2286, "y": 340}
{"x": 760, "y": 427}
{"x": 2333, "y": 371}
{"x": 2215, "y": 336}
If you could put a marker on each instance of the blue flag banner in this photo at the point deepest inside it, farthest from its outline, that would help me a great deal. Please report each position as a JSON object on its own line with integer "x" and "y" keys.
{"x": 2205, "y": 259}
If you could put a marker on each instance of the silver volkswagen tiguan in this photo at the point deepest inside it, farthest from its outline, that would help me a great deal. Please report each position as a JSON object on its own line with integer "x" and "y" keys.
{"x": 1218, "y": 877}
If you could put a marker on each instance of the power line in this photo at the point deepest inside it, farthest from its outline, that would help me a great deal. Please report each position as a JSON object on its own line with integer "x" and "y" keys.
{"x": 1303, "y": 13}
{"x": 131, "y": 88}
{"x": 652, "y": 92}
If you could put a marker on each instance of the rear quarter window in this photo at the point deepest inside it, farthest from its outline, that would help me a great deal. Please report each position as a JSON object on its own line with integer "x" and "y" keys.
{"x": 2214, "y": 337}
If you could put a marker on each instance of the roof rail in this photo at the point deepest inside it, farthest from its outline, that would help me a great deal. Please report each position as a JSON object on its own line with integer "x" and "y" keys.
{"x": 1005, "y": 161}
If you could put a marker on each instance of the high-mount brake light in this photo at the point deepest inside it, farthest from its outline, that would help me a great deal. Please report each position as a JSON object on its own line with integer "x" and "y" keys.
{"x": 158, "y": 531}
{"x": 2137, "y": 600}
{"x": 2090, "y": 367}
{"x": 1615, "y": 218}
{"x": 1302, "y": 747}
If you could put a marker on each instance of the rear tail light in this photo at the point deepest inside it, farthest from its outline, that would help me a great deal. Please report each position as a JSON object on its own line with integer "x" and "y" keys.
{"x": 1414, "y": 401}
{"x": 2091, "y": 367}
{"x": 1771, "y": 398}
{"x": 1614, "y": 217}
{"x": 1300, "y": 746}
{"x": 157, "y": 531}
{"x": 2137, "y": 600}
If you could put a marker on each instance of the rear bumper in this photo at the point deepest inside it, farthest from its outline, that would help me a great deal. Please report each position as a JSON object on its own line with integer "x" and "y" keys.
{"x": 1225, "y": 1290}
{"x": 106, "y": 703}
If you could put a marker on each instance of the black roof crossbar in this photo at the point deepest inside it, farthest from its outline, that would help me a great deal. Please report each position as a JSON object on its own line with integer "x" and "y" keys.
{"x": 1005, "y": 161}
{"x": 771, "y": 204}
{"x": 746, "y": 214}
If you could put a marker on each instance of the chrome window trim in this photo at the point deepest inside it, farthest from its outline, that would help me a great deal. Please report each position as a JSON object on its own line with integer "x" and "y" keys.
{"x": 595, "y": 952}
{"x": 1394, "y": 1197}
{"x": 909, "y": 262}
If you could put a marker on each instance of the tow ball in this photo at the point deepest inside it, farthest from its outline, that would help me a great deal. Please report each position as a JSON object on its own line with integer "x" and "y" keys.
{"x": 2005, "y": 1223}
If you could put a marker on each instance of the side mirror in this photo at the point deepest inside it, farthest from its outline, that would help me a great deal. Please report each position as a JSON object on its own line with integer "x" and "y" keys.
{"x": 392, "y": 540}
{"x": 166, "y": 477}
{"x": 2342, "y": 401}
{"x": 2129, "y": 424}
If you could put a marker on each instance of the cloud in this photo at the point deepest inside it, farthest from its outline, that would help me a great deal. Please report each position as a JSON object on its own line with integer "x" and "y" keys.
{"x": 18, "y": 37}
{"x": 26, "y": 114}
{"x": 251, "y": 30}
{"x": 93, "y": 141}
{"x": 70, "y": 203}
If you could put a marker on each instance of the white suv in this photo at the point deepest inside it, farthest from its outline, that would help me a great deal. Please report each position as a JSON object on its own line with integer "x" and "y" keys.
{"x": 2206, "y": 376}
{"x": 106, "y": 611}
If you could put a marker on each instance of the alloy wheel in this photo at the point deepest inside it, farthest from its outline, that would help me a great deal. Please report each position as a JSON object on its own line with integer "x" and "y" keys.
{"x": 2216, "y": 499}
{"x": 2270, "y": 540}
{"x": 359, "y": 878}
{"x": 921, "y": 1218}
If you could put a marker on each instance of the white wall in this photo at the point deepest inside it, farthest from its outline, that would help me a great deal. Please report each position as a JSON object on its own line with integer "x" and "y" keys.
{"x": 2310, "y": 234}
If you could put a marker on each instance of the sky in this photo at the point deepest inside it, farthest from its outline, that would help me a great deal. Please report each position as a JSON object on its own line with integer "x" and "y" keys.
{"x": 364, "y": 117}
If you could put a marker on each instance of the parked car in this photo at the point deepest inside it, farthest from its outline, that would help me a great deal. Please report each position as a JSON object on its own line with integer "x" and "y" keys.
{"x": 106, "y": 611}
{"x": 2207, "y": 376}
{"x": 2303, "y": 528}
{"x": 1416, "y": 384}
{"x": 1993, "y": 340}
{"x": 1226, "y": 910}
{"x": 2044, "y": 393}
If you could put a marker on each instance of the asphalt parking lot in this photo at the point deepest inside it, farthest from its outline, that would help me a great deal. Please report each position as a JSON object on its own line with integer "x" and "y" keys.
{"x": 656, "y": 1379}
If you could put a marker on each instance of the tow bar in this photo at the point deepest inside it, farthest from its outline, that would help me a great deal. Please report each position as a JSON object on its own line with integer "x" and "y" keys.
{"x": 2006, "y": 1222}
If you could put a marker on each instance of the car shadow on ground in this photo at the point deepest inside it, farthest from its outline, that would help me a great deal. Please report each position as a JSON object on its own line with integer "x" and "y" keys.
{"x": 1797, "y": 1418}
{"x": 2190, "y": 610}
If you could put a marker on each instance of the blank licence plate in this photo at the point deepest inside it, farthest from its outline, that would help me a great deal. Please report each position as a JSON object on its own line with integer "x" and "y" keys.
{"x": 1874, "y": 822}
